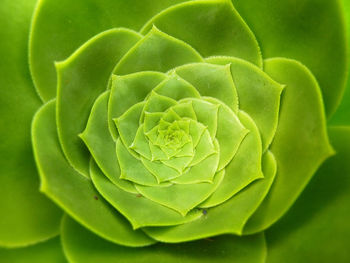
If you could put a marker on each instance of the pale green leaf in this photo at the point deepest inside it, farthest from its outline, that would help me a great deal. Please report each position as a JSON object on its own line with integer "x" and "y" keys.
{"x": 80, "y": 79}
{"x": 73, "y": 192}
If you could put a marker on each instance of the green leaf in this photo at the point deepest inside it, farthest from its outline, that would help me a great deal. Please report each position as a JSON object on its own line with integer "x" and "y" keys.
{"x": 317, "y": 229}
{"x": 301, "y": 142}
{"x": 341, "y": 116}
{"x": 181, "y": 197}
{"x": 158, "y": 103}
{"x": 204, "y": 148}
{"x": 141, "y": 144}
{"x": 243, "y": 169}
{"x": 151, "y": 120}
{"x": 48, "y": 251}
{"x": 203, "y": 161}
{"x": 185, "y": 110}
{"x": 27, "y": 216}
{"x": 74, "y": 193}
{"x": 133, "y": 169}
{"x": 128, "y": 124}
{"x": 258, "y": 94}
{"x": 186, "y": 151}
{"x": 101, "y": 145}
{"x": 198, "y": 23}
{"x": 206, "y": 114}
{"x": 296, "y": 29}
{"x": 179, "y": 163}
{"x": 211, "y": 81}
{"x": 157, "y": 51}
{"x": 157, "y": 152}
{"x": 128, "y": 90}
{"x": 81, "y": 78}
{"x": 230, "y": 133}
{"x": 170, "y": 116}
{"x": 160, "y": 171}
{"x": 153, "y": 135}
{"x": 176, "y": 88}
{"x": 227, "y": 218}
{"x": 140, "y": 211}
{"x": 81, "y": 246}
{"x": 196, "y": 131}
{"x": 77, "y": 22}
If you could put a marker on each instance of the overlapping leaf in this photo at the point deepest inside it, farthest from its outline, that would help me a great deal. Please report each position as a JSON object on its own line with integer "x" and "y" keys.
{"x": 178, "y": 132}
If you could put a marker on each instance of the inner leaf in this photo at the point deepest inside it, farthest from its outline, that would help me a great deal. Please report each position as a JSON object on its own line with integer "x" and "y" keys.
{"x": 176, "y": 88}
{"x": 132, "y": 169}
{"x": 158, "y": 103}
{"x": 160, "y": 171}
{"x": 181, "y": 197}
{"x": 140, "y": 144}
{"x": 204, "y": 148}
{"x": 171, "y": 116}
{"x": 128, "y": 90}
{"x": 203, "y": 171}
{"x": 157, "y": 152}
{"x": 151, "y": 119}
{"x": 206, "y": 114}
{"x": 185, "y": 110}
{"x": 128, "y": 124}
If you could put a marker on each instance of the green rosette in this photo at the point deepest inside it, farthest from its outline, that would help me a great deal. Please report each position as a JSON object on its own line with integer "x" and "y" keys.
{"x": 178, "y": 131}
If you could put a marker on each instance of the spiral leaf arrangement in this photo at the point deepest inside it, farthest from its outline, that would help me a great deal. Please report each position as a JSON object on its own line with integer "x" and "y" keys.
{"x": 178, "y": 132}
{"x": 181, "y": 138}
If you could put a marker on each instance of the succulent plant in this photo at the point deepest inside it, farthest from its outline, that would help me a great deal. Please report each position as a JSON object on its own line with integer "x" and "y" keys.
{"x": 174, "y": 131}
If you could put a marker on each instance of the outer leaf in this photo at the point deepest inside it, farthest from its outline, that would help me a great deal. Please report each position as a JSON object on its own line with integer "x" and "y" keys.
{"x": 101, "y": 145}
{"x": 296, "y": 29}
{"x": 212, "y": 81}
{"x": 74, "y": 192}
{"x": 81, "y": 78}
{"x": 26, "y": 215}
{"x": 81, "y": 246}
{"x": 140, "y": 211}
{"x": 81, "y": 20}
{"x": 229, "y": 217}
{"x": 301, "y": 142}
{"x": 342, "y": 115}
{"x": 317, "y": 228}
{"x": 243, "y": 169}
{"x": 258, "y": 94}
{"x": 49, "y": 251}
{"x": 197, "y": 23}
{"x": 157, "y": 51}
